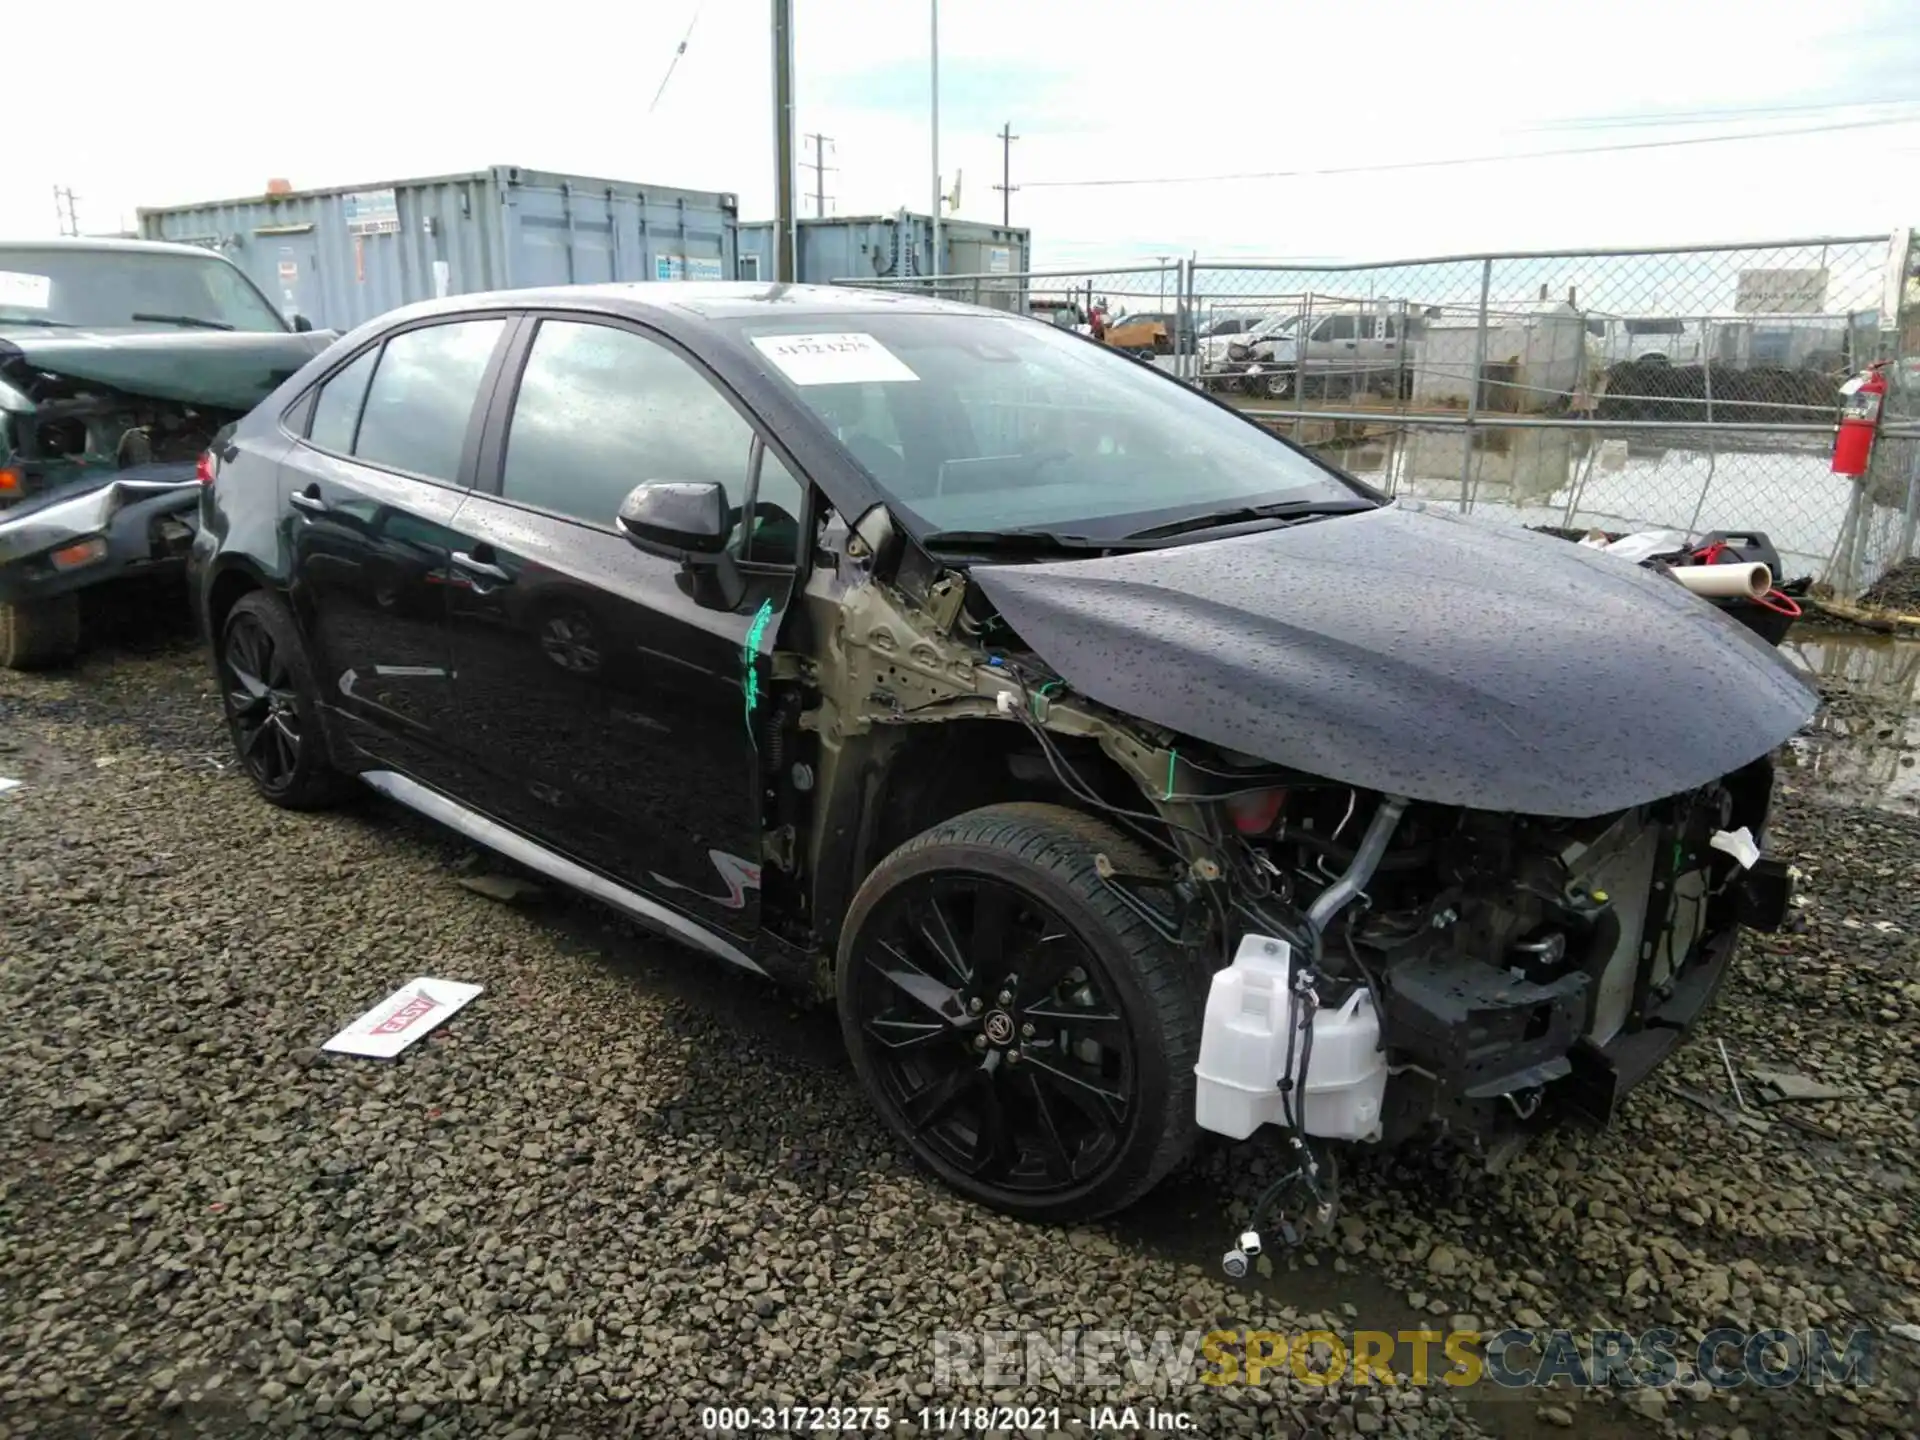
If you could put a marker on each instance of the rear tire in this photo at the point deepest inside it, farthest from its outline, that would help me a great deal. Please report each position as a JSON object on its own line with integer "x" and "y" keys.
{"x": 273, "y": 707}
{"x": 39, "y": 634}
{"x": 1026, "y": 1034}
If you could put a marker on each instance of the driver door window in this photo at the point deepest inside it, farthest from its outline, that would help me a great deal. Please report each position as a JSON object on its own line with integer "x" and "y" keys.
{"x": 600, "y": 410}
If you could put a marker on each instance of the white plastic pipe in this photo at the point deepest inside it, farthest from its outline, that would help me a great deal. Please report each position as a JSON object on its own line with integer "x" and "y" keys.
{"x": 1723, "y": 582}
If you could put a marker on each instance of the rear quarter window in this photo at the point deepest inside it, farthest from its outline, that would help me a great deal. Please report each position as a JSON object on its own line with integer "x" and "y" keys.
{"x": 336, "y": 410}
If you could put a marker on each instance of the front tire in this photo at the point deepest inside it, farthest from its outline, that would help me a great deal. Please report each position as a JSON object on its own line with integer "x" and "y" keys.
{"x": 1026, "y": 1034}
{"x": 273, "y": 707}
{"x": 39, "y": 634}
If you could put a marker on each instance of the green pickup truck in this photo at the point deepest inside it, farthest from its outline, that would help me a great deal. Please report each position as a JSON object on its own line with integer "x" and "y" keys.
{"x": 120, "y": 360}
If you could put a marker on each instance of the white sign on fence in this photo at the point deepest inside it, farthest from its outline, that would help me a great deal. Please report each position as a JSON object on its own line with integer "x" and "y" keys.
{"x": 1781, "y": 292}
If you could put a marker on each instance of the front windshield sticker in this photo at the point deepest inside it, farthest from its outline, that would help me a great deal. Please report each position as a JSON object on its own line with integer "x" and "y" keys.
{"x": 28, "y": 292}
{"x": 832, "y": 359}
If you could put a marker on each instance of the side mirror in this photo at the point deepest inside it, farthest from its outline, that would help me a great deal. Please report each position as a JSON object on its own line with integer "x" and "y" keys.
{"x": 688, "y": 521}
{"x": 302, "y": 324}
{"x": 685, "y": 520}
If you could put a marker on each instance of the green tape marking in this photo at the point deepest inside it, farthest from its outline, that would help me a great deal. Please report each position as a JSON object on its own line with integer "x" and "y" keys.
{"x": 749, "y": 654}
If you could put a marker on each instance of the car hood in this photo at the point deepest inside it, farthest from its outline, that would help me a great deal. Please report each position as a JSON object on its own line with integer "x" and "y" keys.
{"x": 230, "y": 370}
{"x": 1420, "y": 653}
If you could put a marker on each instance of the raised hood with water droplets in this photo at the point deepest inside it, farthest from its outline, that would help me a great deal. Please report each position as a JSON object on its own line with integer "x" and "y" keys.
{"x": 1420, "y": 653}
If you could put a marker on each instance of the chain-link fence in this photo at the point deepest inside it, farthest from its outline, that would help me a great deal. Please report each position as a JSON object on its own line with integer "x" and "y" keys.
{"x": 1692, "y": 389}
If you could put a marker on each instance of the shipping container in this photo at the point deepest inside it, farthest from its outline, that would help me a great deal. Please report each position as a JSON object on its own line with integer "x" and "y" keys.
{"x": 341, "y": 256}
{"x": 864, "y": 247}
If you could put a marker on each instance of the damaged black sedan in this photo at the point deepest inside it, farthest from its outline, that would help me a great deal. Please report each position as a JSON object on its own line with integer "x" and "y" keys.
{"x": 119, "y": 362}
{"x": 1119, "y": 769}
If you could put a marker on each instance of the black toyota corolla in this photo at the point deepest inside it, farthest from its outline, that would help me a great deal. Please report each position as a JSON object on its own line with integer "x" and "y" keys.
{"x": 1118, "y": 768}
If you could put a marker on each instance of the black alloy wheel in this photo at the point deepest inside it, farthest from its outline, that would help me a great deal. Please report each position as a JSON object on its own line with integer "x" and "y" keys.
{"x": 991, "y": 1028}
{"x": 260, "y": 700}
{"x": 1025, "y": 1034}
{"x": 268, "y": 695}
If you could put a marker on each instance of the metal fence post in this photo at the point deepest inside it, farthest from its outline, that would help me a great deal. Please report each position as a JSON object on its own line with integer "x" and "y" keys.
{"x": 1713, "y": 451}
{"x": 1903, "y": 316}
{"x": 1301, "y": 328}
{"x": 1474, "y": 382}
{"x": 1190, "y": 293}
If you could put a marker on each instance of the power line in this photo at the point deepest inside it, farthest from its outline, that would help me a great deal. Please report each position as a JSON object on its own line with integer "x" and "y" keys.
{"x": 819, "y": 166}
{"x": 1006, "y": 187}
{"x": 678, "y": 51}
{"x": 1468, "y": 159}
{"x": 1707, "y": 117}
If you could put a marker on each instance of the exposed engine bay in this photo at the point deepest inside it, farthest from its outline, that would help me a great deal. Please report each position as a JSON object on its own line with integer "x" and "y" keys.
{"x": 1503, "y": 953}
{"x": 68, "y": 428}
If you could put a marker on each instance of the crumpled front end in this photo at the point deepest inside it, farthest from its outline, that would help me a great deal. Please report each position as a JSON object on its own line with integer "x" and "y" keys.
{"x": 1425, "y": 968}
{"x": 139, "y": 519}
{"x": 100, "y": 437}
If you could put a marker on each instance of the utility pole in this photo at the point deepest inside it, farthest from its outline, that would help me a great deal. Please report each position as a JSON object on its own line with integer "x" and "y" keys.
{"x": 935, "y": 6}
{"x": 820, "y": 168}
{"x": 1006, "y": 187}
{"x": 63, "y": 210}
{"x": 783, "y": 169}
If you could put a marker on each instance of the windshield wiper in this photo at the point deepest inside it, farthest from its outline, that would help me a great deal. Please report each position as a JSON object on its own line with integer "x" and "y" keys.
{"x": 1016, "y": 542}
{"x": 196, "y": 322}
{"x": 36, "y": 320}
{"x": 1246, "y": 514}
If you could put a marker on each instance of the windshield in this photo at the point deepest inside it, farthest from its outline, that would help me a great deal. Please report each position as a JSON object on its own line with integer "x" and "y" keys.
{"x": 981, "y": 423}
{"x": 108, "y": 289}
{"x": 1282, "y": 325}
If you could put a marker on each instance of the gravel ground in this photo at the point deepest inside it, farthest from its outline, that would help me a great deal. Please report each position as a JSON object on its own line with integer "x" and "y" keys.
{"x": 1897, "y": 590}
{"x": 622, "y": 1185}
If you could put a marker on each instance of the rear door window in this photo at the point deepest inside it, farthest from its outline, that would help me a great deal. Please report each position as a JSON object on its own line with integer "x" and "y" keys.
{"x": 422, "y": 395}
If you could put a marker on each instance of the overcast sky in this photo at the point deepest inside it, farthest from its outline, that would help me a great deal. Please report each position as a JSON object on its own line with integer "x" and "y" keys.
{"x": 208, "y": 100}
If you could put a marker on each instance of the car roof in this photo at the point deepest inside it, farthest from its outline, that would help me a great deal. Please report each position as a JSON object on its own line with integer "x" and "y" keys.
{"x": 108, "y": 243}
{"x": 702, "y": 301}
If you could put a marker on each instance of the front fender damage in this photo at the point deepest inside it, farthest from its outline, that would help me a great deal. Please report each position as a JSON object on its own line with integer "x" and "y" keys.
{"x": 885, "y": 655}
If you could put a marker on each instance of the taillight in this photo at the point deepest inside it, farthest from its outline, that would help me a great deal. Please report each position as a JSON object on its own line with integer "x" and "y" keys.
{"x": 205, "y": 468}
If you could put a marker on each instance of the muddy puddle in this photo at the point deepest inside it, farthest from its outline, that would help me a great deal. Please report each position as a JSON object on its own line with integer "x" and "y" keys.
{"x": 1863, "y": 748}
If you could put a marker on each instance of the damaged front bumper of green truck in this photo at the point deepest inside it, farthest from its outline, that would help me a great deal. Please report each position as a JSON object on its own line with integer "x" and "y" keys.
{"x": 102, "y": 435}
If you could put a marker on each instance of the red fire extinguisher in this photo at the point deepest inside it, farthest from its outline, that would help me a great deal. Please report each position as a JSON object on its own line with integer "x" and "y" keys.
{"x": 1860, "y": 400}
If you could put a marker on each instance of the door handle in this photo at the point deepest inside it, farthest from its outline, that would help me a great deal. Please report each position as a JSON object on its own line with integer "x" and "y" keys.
{"x": 483, "y": 568}
{"x": 308, "y": 500}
